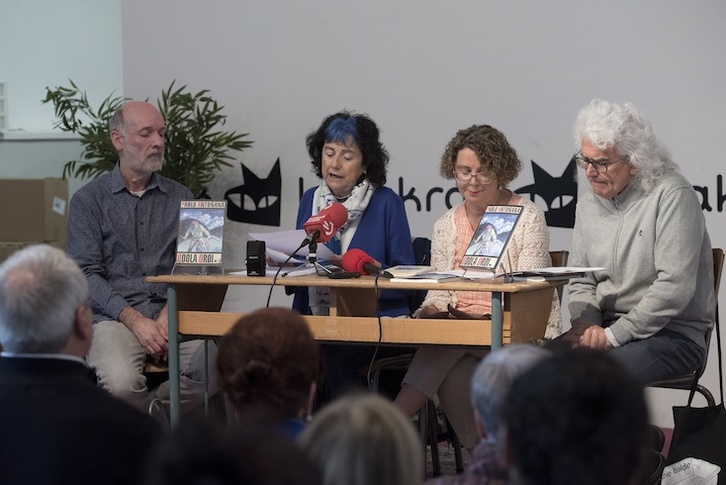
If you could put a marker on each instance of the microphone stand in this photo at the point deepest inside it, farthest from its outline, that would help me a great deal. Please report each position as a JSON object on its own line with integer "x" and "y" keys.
{"x": 509, "y": 277}
{"x": 313, "y": 257}
{"x": 312, "y": 251}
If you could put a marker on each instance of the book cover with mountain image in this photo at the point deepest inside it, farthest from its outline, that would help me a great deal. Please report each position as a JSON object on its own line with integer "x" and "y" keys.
{"x": 201, "y": 232}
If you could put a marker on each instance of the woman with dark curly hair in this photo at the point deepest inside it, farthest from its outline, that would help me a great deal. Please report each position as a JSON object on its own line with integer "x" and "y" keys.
{"x": 482, "y": 162}
{"x": 347, "y": 155}
{"x": 269, "y": 362}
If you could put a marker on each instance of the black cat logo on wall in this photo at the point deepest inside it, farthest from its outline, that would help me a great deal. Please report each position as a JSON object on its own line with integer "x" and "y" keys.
{"x": 559, "y": 193}
{"x": 257, "y": 200}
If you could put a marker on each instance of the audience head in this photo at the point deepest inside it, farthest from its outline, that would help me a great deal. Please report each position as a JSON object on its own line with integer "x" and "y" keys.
{"x": 496, "y": 156}
{"x": 269, "y": 359}
{"x": 137, "y": 132}
{"x": 493, "y": 378}
{"x": 362, "y": 439}
{"x": 352, "y": 130}
{"x": 197, "y": 453}
{"x": 575, "y": 417}
{"x": 624, "y": 130}
{"x": 44, "y": 303}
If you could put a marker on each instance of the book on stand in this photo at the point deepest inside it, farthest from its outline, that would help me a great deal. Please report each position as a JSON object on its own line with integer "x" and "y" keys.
{"x": 488, "y": 245}
{"x": 201, "y": 234}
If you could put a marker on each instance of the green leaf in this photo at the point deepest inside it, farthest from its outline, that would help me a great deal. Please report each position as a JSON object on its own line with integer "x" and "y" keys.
{"x": 196, "y": 146}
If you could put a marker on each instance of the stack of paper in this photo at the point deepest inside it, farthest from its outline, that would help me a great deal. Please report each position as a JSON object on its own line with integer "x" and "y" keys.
{"x": 554, "y": 273}
{"x": 281, "y": 244}
{"x": 421, "y": 274}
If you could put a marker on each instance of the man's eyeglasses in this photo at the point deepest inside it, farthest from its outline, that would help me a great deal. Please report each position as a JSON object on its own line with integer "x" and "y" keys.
{"x": 600, "y": 165}
{"x": 464, "y": 177}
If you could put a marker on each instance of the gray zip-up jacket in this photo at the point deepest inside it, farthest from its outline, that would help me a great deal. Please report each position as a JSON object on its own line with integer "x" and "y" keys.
{"x": 657, "y": 254}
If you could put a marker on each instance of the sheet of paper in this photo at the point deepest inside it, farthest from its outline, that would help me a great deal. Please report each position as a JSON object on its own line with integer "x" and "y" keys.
{"x": 287, "y": 271}
{"x": 558, "y": 270}
{"x": 480, "y": 275}
{"x": 431, "y": 277}
{"x": 290, "y": 272}
{"x": 288, "y": 241}
{"x": 406, "y": 270}
{"x": 280, "y": 257}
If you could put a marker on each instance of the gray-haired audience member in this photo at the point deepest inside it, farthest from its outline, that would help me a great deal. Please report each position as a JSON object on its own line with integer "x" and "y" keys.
{"x": 363, "y": 439}
{"x": 642, "y": 221}
{"x": 577, "y": 417}
{"x": 489, "y": 386}
{"x": 57, "y": 425}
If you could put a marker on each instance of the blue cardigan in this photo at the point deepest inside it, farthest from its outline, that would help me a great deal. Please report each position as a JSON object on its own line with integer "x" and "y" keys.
{"x": 383, "y": 233}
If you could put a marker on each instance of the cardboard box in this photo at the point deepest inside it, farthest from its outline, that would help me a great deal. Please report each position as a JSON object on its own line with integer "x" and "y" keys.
{"x": 7, "y": 248}
{"x": 33, "y": 209}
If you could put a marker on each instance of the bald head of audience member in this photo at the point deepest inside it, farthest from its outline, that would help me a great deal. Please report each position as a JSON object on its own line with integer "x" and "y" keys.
{"x": 576, "y": 417}
{"x": 269, "y": 360}
{"x": 44, "y": 304}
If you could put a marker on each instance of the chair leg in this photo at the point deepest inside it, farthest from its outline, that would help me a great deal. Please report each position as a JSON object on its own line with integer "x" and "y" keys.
{"x": 157, "y": 411}
{"x": 422, "y": 430}
{"x": 456, "y": 444}
{"x": 229, "y": 414}
{"x": 433, "y": 438}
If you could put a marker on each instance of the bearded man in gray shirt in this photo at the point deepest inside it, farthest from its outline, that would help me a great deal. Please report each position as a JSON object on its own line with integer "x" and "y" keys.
{"x": 122, "y": 228}
{"x": 652, "y": 304}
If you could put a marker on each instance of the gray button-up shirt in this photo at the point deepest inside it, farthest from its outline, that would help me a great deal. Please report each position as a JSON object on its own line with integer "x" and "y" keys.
{"x": 118, "y": 239}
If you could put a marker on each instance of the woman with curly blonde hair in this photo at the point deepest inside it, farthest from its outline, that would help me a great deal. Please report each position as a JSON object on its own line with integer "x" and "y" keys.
{"x": 482, "y": 163}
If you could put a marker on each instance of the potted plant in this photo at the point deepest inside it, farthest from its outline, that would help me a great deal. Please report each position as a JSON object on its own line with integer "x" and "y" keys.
{"x": 195, "y": 146}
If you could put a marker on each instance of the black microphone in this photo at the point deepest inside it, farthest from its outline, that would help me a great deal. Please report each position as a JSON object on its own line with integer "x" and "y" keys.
{"x": 357, "y": 260}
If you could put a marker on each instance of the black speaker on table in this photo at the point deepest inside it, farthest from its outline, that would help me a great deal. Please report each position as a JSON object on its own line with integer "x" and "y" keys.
{"x": 256, "y": 258}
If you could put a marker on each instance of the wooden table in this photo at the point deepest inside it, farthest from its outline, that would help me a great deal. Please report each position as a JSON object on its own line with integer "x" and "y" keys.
{"x": 520, "y": 311}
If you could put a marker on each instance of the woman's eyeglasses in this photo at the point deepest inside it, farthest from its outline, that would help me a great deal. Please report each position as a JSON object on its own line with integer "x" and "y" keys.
{"x": 464, "y": 177}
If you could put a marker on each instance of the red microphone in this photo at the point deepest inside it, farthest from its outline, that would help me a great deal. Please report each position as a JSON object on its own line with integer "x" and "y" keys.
{"x": 322, "y": 226}
{"x": 357, "y": 260}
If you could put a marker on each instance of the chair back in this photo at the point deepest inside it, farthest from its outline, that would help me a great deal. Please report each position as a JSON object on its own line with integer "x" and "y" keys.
{"x": 718, "y": 257}
{"x": 421, "y": 255}
{"x": 691, "y": 381}
{"x": 559, "y": 258}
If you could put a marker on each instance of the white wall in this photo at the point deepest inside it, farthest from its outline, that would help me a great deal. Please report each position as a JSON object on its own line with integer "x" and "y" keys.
{"x": 45, "y": 43}
{"x": 424, "y": 70}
